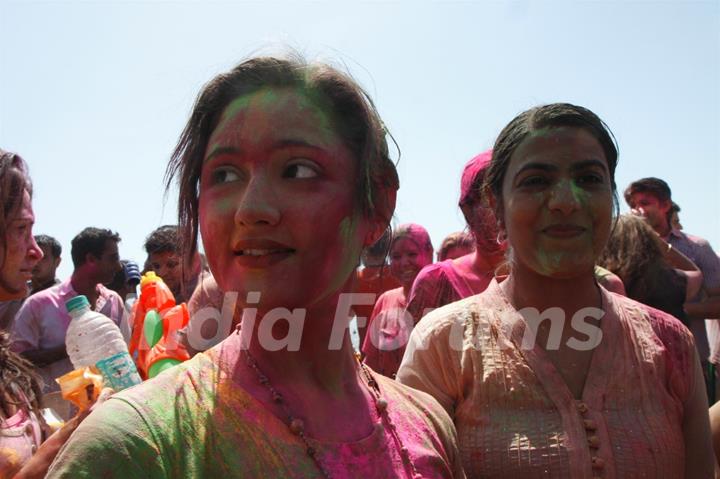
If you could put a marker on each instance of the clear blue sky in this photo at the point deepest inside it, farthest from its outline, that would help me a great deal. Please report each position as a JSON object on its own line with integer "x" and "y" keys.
{"x": 94, "y": 94}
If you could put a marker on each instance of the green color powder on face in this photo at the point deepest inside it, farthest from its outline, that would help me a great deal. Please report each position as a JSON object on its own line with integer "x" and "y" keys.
{"x": 347, "y": 232}
{"x": 309, "y": 104}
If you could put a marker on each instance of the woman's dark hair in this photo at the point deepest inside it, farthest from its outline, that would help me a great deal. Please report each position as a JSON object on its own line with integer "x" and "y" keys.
{"x": 14, "y": 181}
{"x": 636, "y": 254}
{"x": 352, "y": 112}
{"x": 16, "y": 373}
{"x": 163, "y": 239}
{"x": 555, "y": 115}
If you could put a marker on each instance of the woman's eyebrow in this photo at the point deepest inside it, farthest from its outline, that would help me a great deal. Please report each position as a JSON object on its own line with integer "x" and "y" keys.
{"x": 535, "y": 165}
{"x": 589, "y": 164}
{"x": 222, "y": 150}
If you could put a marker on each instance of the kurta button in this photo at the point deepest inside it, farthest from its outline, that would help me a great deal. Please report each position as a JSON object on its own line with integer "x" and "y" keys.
{"x": 28, "y": 429}
{"x": 582, "y": 407}
{"x": 597, "y": 463}
{"x": 33, "y": 448}
{"x": 589, "y": 424}
{"x": 594, "y": 442}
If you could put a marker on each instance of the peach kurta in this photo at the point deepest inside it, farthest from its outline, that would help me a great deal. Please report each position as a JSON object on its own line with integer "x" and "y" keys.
{"x": 516, "y": 417}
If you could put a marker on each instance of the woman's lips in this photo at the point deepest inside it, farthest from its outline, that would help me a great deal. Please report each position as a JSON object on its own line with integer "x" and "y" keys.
{"x": 260, "y": 252}
{"x": 564, "y": 231}
{"x": 258, "y": 259}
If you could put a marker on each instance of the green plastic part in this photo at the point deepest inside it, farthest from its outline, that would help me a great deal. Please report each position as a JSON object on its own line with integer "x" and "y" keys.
{"x": 161, "y": 365}
{"x": 153, "y": 327}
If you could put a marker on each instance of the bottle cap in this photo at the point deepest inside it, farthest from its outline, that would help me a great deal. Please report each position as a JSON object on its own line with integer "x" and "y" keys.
{"x": 149, "y": 277}
{"x": 76, "y": 303}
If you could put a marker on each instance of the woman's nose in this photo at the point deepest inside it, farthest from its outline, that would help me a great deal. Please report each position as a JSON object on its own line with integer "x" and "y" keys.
{"x": 258, "y": 204}
{"x": 35, "y": 252}
{"x": 564, "y": 197}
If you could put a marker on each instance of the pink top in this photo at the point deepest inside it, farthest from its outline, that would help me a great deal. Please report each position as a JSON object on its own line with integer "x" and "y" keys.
{"x": 388, "y": 333}
{"x": 196, "y": 421}
{"x": 20, "y": 436}
{"x": 437, "y": 285}
{"x": 43, "y": 321}
{"x": 516, "y": 417}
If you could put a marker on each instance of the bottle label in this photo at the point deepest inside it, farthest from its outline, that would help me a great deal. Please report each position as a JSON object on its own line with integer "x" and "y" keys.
{"x": 119, "y": 371}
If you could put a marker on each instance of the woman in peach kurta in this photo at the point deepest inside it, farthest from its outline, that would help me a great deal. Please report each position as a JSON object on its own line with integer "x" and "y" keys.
{"x": 514, "y": 413}
{"x": 608, "y": 387}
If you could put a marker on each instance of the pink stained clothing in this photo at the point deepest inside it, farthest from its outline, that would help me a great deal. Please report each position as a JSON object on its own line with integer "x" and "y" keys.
{"x": 516, "y": 417}
{"x": 388, "y": 333}
{"x": 195, "y": 420}
{"x": 20, "y": 437}
{"x": 42, "y": 321}
{"x": 437, "y": 285}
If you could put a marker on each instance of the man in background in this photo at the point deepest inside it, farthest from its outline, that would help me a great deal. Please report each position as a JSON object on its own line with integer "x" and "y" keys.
{"x": 651, "y": 198}
{"x": 42, "y": 322}
{"x": 43, "y": 274}
{"x": 165, "y": 259}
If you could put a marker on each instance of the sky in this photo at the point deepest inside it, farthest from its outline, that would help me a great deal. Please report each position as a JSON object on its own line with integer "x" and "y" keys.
{"x": 94, "y": 95}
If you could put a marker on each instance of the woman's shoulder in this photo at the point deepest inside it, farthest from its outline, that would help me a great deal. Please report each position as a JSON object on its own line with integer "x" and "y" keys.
{"x": 392, "y": 297}
{"x": 416, "y": 405}
{"x": 435, "y": 273}
{"x": 669, "y": 330}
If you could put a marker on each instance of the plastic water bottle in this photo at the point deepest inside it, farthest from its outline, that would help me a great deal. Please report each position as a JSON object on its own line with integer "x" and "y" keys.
{"x": 93, "y": 339}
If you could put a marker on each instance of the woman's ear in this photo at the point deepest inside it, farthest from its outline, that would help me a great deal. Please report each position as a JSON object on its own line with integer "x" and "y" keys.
{"x": 380, "y": 220}
{"x": 374, "y": 233}
{"x": 495, "y": 207}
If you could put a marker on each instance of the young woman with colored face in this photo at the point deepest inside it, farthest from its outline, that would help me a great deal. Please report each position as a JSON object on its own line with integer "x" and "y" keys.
{"x": 26, "y": 451}
{"x": 451, "y": 280}
{"x": 608, "y": 387}
{"x": 389, "y": 327}
{"x": 284, "y": 170}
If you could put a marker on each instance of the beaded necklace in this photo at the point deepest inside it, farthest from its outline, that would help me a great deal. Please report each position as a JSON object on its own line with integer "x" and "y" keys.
{"x": 297, "y": 426}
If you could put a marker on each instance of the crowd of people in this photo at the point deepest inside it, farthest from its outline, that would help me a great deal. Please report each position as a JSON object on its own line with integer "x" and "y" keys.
{"x": 553, "y": 338}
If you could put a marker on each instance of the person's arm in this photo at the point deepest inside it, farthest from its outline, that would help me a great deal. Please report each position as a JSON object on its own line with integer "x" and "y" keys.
{"x": 715, "y": 429}
{"x": 693, "y": 282}
{"x": 609, "y": 280}
{"x": 43, "y": 357}
{"x": 432, "y": 361}
{"x": 678, "y": 260}
{"x": 369, "y": 346}
{"x": 699, "y": 455}
{"x": 113, "y": 442}
{"x": 37, "y": 466}
{"x": 708, "y": 308}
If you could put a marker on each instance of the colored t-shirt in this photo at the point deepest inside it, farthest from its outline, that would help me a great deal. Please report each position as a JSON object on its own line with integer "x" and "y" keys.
{"x": 388, "y": 333}
{"x": 375, "y": 280}
{"x": 20, "y": 437}
{"x": 42, "y": 321}
{"x": 516, "y": 416}
{"x": 196, "y": 421}
{"x": 440, "y": 284}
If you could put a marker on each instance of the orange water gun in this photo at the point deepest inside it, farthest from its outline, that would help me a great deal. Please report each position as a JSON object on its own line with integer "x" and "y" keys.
{"x": 156, "y": 319}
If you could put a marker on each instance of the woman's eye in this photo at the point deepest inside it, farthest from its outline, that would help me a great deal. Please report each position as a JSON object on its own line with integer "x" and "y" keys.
{"x": 591, "y": 179}
{"x": 299, "y": 170}
{"x": 223, "y": 175}
{"x": 531, "y": 181}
